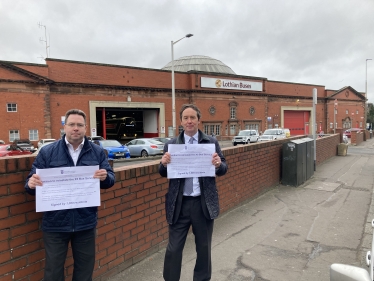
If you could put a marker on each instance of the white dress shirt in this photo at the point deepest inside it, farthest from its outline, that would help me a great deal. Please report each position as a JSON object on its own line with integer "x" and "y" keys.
{"x": 74, "y": 153}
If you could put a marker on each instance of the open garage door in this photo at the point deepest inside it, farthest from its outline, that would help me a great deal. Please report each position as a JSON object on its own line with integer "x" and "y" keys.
{"x": 297, "y": 122}
{"x": 125, "y": 124}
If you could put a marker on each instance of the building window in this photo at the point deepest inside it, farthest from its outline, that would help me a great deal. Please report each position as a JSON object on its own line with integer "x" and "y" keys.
{"x": 360, "y": 124}
{"x": 346, "y": 111}
{"x": 356, "y": 111}
{"x": 11, "y": 107}
{"x": 218, "y": 130}
{"x": 252, "y": 126}
{"x": 33, "y": 135}
{"x": 13, "y": 135}
{"x": 233, "y": 112}
{"x": 232, "y": 130}
{"x": 212, "y": 129}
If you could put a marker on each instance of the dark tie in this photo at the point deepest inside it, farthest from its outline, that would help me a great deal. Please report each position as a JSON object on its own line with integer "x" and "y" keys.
{"x": 188, "y": 182}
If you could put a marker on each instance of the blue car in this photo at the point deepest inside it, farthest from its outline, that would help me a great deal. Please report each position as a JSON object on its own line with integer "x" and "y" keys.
{"x": 115, "y": 149}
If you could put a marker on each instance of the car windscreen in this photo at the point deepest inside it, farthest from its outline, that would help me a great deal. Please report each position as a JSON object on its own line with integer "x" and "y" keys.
{"x": 109, "y": 143}
{"x": 270, "y": 132}
{"x": 155, "y": 141}
{"x": 244, "y": 133}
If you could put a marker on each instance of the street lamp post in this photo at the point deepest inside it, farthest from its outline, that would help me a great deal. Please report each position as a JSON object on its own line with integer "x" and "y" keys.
{"x": 172, "y": 80}
{"x": 366, "y": 91}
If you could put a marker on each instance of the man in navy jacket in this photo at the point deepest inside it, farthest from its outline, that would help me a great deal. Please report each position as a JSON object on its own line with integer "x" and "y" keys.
{"x": 191, "y": 202}
{"x": 76, "y": 226}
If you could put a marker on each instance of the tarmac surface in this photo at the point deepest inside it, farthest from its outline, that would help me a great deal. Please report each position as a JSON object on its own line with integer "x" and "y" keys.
{"x": 289, "y": 233}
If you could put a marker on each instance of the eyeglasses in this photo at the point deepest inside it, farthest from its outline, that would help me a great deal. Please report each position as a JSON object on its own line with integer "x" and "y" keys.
{"x": 72, "y": 125}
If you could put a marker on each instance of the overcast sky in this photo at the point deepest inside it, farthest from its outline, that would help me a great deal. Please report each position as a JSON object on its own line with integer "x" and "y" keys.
{"x": 321, "y": 42}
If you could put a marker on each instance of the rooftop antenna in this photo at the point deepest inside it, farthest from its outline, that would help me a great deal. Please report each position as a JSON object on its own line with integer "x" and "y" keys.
{"x": 45, "y": 38}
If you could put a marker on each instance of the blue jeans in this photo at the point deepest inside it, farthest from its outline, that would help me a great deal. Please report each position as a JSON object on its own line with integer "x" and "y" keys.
{"x": 56, "y": 247}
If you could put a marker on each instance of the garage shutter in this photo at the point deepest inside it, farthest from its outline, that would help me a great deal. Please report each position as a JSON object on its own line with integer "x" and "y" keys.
{"x": 295, "y": 121}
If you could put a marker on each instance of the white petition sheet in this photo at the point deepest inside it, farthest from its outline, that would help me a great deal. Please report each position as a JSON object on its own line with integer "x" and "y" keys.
{"x": 67, "y": 188}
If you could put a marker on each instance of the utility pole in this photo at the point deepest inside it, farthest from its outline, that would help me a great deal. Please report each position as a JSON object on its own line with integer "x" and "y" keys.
{"x": 314, "y": 125}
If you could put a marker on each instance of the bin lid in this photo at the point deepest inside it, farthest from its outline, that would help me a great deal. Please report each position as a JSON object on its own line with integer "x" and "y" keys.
{"x": 298, "y": 141}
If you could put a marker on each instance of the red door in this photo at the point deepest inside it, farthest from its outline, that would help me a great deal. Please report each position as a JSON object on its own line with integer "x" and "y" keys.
{"x": 297, "y": 122}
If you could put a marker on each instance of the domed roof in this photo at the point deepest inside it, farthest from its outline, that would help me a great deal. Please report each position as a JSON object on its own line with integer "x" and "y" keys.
{"x": 199, "y": 63}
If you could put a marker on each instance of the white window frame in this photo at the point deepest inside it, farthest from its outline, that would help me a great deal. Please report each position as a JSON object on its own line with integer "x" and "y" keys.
{"x": 13, "y": 135}
{"x": 232, "y": 130}
{"x": 212, "y": 128}
{"x": 233, "y": 112}
{"x": 11, "y": 107}
{"x": 33, "y": 135}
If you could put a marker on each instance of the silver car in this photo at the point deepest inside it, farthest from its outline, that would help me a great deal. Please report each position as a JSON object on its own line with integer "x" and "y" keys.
{"x": 43, "y": 141}
{"x": 145, "y": 147}
{"x": 245, "y": 136}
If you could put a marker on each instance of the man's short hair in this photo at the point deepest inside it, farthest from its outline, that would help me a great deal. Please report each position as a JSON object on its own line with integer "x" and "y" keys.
{"x": 75, "y": 111}
{"x": 194, "y": 107}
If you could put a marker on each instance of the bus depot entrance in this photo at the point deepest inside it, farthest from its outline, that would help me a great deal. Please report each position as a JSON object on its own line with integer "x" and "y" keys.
{"x": 125, "y": 123}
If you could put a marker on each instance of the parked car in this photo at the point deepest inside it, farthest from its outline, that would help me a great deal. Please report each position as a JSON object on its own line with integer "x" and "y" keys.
{"x": 43, "y": 141}
{"x": 115, "y": 149}
{"x": 145, "y": 147}
{"x": 43, "y": 145}
{"x": 272, "y": 134}
{"x": 245, "y": 136}
{"x": 12, "y": 150}
{"x": 163, "y": 140}
{"x": 348, "y": 132}
{"x": 92, "y": 138}
{"x": 25, "y": 144}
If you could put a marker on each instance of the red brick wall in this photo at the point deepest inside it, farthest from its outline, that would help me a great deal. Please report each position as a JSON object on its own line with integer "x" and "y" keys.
{"x": 327, "y": 147}
{"x": 357, "y": 138}
{"x": 39, "y": 69}
{"x": 11, "y": 75}
{"x": 293, "y": 89}
{"x": 31, "y": 102}
{"x": 131, "y": 222}
{"x": 93, "y": 73}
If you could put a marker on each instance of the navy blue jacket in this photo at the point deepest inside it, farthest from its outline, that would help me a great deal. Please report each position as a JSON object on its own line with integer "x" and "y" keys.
{"x": 57, "y": 155}
{"x": 209, "y": 193}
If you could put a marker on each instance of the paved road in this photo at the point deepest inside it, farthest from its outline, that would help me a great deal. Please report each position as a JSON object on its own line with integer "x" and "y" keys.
{"x": 289, "y": 233}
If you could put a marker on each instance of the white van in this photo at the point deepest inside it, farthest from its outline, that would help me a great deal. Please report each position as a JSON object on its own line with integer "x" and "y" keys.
{"x": 272, "y": 134}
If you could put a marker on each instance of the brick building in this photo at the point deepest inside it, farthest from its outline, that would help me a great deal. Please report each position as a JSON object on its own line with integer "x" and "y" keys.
{"x": 35, "y": 97}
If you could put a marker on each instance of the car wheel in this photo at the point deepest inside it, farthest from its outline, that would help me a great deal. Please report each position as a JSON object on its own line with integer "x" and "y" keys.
{"x": 234, "y": 143}
{"x": 144, "y": 153}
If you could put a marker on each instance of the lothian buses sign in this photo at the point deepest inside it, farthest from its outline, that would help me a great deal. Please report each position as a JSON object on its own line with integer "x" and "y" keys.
{"x": 230, "y": 84}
